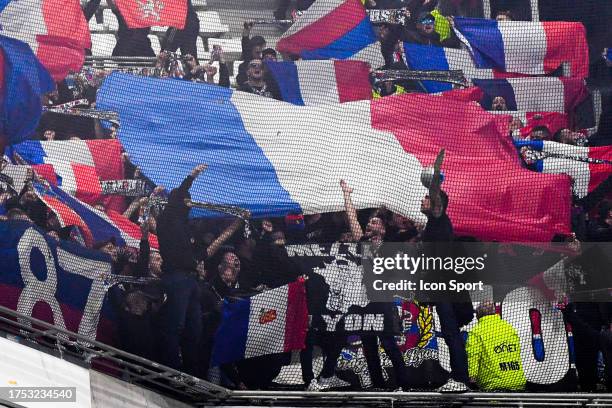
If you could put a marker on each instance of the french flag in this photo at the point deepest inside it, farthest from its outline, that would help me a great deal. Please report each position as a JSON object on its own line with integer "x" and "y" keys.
{"x": 526, "y": 47}
{"x": 79, "y": 165}
{"x": 55, "y": 30}
{"x": 288, "y": 164}
{"x": 95, "y": 225}
{"x": 578, "y": 162}
{"x": 321, "y": 82}
{"x": 432, "y": 58}
{"x": 272, "y": 322}
{"x": 541, "y": 94}
{"x": 23, "y": 81}
{"x": 333, "y": 29}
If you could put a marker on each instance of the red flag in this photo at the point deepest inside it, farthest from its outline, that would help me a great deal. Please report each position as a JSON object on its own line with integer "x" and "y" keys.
{"x": 148, "y": 13}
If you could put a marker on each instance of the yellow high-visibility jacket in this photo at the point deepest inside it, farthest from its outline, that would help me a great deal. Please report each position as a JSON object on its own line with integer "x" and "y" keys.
{"x": 494, "y": 355}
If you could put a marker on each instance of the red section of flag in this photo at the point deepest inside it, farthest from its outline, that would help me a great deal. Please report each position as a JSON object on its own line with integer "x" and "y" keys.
{"x": 483, "y": 176}
{"x": 148, "y": 13}
{"x": 61, "y": 49}
{"x": 296, "y": 324}
{"x": 352, "y": 79}
{"x": 46, "y": 172}
{"x": 566, "y": 43}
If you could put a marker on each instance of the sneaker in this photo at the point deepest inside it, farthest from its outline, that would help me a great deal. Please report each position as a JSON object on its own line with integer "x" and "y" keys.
{"x": 453, "y": 386}
{"x": 314, "y": 386}
{"x": 333, "y": 382}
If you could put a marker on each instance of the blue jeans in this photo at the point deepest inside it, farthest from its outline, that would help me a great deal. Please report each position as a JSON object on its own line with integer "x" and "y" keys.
{"x": 454, "y": 341}
{"x": 180, "y": 322}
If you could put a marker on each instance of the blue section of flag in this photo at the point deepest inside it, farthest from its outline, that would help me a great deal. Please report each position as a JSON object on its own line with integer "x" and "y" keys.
{"x": 534, "y": 144}
{"x": 286, "y": 76}
{"x": 101, "y": 229}
{"x": 231, "y": 337}
{"x": 487, "y": 44}
{"x": 25, "y": 81}
{"x": 346, "y": 46}
{"x": 3, "y": 4}
{"x": 493, "y": 88}
{"x": 202, "y": 125}
{"x": 31, "y": 151}
{"x": 426, "y": 58}
{"x": 609, "y": 54}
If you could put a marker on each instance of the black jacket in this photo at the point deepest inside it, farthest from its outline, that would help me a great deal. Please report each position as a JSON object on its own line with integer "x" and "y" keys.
{"x": 173, "y": 232}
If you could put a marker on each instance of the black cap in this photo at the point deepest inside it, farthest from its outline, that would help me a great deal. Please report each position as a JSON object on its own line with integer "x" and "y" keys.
{"x": 425, "y": 15}
{"x": 268, "y": 51}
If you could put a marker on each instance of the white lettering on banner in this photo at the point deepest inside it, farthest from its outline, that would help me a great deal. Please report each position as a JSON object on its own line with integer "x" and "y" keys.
{"x": 331, "y": 321}
{"x": 95, "y": 271}
{"x": 374, "y": 322}
{"x": 353, "y": 322}
{"x": 36, "y": 290}
{"x": 515, "y": 310}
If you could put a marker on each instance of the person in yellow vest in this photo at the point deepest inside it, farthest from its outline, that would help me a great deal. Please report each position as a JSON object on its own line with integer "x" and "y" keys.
{"x": 494, "y": 352}
{"x": 387, "y": 88}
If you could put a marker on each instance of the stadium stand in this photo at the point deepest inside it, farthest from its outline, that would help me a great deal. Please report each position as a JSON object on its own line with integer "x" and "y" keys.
{"x": 240, "y": 283}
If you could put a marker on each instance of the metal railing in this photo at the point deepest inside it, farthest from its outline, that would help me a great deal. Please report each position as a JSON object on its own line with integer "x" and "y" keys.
{"x": 108, "y": 359}
{"x": 192, "y": 390}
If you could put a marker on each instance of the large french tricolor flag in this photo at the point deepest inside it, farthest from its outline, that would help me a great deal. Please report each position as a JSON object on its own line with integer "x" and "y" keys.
{"x": 95, "y": 225}
{"x": 338, "y": 29}
{"x": 272, "y": 322}
{"x": 525, "y": 47}
{"x": 541, "y": 94}
{"x": 55, "y": 30}
{"x": 79, "y": 165}
{"x": 317, "y": 82}
{"x": 580, "y": 163}
{"x": 275, "y": 158}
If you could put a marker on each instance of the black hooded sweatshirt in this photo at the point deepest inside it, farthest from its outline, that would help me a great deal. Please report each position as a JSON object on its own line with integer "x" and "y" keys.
{"x": 173, "y": 232}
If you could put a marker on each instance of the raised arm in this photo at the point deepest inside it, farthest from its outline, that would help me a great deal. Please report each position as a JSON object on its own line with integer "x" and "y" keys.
{"x": 225, "y": 235}
{"x": 351, "y": 212}
{"x": 434, "y": 188}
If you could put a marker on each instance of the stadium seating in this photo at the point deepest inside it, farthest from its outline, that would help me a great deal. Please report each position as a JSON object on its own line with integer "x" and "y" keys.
{"x": 110, "y": 20}
{"x": 94, "y": 27}
{"x": 102, "y": 44}
{"x": 229, "y": 45}
{"x": 155, "y": 43}
{"x": 210, "y": 24}
{"x": 220, "y": 23}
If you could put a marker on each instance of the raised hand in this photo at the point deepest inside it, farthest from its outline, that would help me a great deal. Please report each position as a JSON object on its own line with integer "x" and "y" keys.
{"x": 197, "y": 170}
{"x": 345, "y": 187}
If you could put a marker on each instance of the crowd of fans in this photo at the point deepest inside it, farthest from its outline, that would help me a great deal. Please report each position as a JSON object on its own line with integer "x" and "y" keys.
{"x": 201, "y": 262}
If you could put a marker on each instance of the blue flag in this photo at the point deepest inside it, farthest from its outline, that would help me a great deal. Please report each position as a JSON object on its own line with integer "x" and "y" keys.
{"x": 24, "y": 80}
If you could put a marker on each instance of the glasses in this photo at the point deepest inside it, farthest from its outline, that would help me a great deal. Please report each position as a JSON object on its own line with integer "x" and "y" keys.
{"x": 255, "y": 65}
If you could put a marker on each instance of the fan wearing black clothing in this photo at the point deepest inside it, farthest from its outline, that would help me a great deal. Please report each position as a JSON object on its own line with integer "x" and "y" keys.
{"x": 181, "y": 316}
{"x": 437, "y": 234}
{"x": 257, "y": 84}
{"x": 375, "y": 233}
